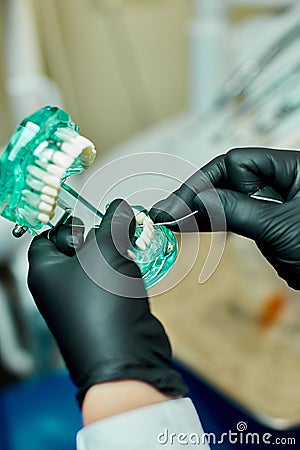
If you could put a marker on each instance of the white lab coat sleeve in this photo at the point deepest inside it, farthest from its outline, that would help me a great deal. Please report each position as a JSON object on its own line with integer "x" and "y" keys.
{"x": 171, "y": 424}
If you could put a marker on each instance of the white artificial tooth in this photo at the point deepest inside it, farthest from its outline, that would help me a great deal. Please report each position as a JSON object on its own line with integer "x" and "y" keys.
{"x": 45, "y": 207}
{"x": 148, "y": 221}
{"x": 72, "y": 149}
{"x": 56, "y": 170}
{"x": 140, "y": 217}
{"x": 42, "y": 163}
{"x": 52, "y": 181}
{"x": 36, "y": 172}
{"x": 31, "y": 198}
{"x": 35, "y": 184}
{"x": 66, "y": 133}
{"x": 145, "y": 237}
{"x": 84, "y": 142}
{"x": 62, "y": 159}
{"x": 140, "y": 244}
{"x": 44, "y": 218}
{"x": 150, "y": 230}
{"x": 51, "y": 191}
{"x": 48, "y": 153}
{"x": 39, "y": 149}
{"x": 147, "y": 233}
{"x": 76, "y": 142}
{"x": 131, "y": 255}
{"x": 29, "y": 209}
{"x": 30, "y": 212}
{"x": 48, "y": 199}
{"x": 30, "y": 216}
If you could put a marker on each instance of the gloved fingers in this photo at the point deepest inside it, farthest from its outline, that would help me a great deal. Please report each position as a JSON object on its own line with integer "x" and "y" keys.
{"x": 250, "y": 169}
{"x": 55, "y": 244}
{"x": 105, "y": 258}
{"x": 116, "y": 230}
{"x": 69, "y": 237}
{"x": 180, "y": 203}
{"x": 245, "y": 170}
{"x": 43, "y": 251}
{"x": 223, "y": 209}
{"x": 214, "y": 174}
{"x": 174, "y": 208}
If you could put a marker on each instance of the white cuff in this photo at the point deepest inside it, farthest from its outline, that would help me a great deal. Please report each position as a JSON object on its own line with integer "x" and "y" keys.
{"x": 171, "y": 424}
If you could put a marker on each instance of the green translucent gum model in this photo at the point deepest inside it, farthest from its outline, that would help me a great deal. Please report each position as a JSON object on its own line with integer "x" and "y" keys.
{"x": 44, "y": 150}
{"x": 155, "y": 256}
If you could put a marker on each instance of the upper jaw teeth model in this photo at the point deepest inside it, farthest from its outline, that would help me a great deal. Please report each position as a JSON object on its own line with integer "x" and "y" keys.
{"x": 43, "y": 151}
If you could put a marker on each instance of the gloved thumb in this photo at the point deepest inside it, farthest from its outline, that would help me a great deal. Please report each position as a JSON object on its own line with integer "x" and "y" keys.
{"x": 104, "y": 255}
{"x": 68, "y": 237}
{"x": 115, "y": 231}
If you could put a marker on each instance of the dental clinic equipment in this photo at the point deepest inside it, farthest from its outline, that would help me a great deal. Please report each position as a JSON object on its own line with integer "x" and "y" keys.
{"x": 250, "y": 109}
{"x": 241, "y": 81}
{"x": 45, "y": 149}
{"x": 258, "y": 100}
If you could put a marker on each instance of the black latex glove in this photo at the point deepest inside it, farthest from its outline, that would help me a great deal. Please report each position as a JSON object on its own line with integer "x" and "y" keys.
{"x": 236, "y": 175}
{"x": 103, "y": 336}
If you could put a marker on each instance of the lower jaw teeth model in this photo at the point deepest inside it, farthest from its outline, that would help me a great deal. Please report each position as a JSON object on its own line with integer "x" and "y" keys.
{"x": 44, "y": 150}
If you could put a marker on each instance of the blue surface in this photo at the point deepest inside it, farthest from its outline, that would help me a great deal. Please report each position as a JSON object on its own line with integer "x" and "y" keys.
{"x": 39, "y": 414}
{"x": 42, "y": 414}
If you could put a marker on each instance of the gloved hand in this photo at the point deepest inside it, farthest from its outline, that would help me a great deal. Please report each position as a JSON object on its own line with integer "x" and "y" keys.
{"x": 234, "y": 177}
{"x": 103, "y": 327}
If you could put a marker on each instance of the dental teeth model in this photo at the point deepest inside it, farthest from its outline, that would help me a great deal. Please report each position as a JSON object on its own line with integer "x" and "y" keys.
{"x": 145, "y": 237}
{"x": 44, "y": 150}
{"x": 155, "y": 248}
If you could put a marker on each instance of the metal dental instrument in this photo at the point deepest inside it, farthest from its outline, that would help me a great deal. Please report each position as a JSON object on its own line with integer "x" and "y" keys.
{"x": 250, "y": 70}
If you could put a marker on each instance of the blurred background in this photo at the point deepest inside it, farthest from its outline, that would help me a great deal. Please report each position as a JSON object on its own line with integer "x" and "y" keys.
{"x": 191, "y": 78}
